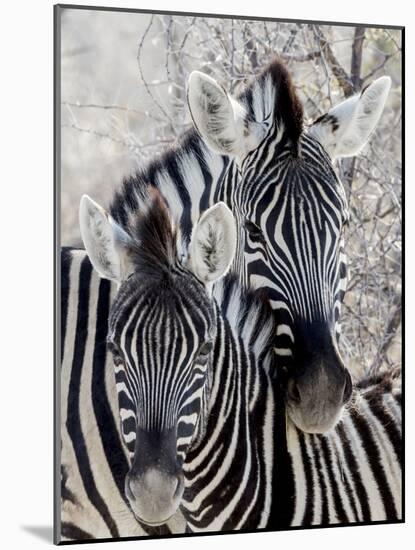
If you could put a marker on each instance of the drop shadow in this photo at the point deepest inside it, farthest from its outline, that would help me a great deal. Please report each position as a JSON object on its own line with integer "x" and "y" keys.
{"x": 43, "y": 532}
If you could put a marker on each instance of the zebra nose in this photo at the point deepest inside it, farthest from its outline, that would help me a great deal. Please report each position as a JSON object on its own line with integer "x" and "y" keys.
{"x": 156, "y": 483}
{"x": 154, "y": 495}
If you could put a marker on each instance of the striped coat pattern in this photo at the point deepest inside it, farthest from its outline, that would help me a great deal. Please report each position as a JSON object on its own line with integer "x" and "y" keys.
{"x": 95, "y": 453}
{"x": 260, "y": 470}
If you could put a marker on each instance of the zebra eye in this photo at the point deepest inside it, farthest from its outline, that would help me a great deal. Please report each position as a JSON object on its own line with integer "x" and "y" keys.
{"x": 116, "y": 352}
{"x": 205, "y": 349}
{"x": 253, "y": 229}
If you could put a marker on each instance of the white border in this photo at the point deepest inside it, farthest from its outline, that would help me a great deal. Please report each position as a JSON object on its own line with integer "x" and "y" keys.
{"x": 26, "y": 246}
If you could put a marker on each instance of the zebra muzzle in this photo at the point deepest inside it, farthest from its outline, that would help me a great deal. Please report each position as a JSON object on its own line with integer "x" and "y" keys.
{"x": 315, "y": 400}
{"x": 154, "y": 496}
{"x": 154, "y": 485}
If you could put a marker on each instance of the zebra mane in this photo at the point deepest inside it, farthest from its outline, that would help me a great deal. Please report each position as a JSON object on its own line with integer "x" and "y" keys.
{"x": 184, "y": 168}
{"x": 179, "y": 172}
{"x": 249, "y": 314}
{"x": 272, "y": 92}
{"x": 153, "y": 249}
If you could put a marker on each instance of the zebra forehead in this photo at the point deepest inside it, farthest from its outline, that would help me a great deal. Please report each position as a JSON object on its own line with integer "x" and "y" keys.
{"x": 314, "y": 190}
{"x": 180, "y": 305}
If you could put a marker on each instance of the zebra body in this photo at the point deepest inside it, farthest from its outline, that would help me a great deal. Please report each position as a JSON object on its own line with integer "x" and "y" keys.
{"x": 325, "y": 479}
{"x": 221, "y": 430}
{"x": 255, "y": 469}
{"x": 191, "y": 178}
{"x": 353, "y": 473}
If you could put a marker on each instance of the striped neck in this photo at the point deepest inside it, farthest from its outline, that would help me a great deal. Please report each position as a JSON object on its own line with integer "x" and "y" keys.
{"x": 236, "y": 450}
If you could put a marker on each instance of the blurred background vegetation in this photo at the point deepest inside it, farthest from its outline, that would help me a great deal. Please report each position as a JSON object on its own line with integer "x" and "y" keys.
{"x": 123, "y": 82}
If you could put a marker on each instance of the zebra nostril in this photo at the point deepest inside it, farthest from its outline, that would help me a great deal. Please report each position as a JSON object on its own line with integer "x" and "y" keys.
{"x": 293, "y": 391}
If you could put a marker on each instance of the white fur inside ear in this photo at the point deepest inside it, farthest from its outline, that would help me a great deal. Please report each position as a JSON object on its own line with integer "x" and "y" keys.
{"x": 220, "y": 119}
{"x": 212, "y": 112}
{"x": 105, "y": 242}
{"x": 346, "y": 128}
{"x": 213, "y": 244}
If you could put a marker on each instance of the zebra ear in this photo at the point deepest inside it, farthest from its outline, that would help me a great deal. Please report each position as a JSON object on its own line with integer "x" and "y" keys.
{"x": 220, "y": 119}
{"x": 106, "y": 243}
{"x": 346, "y": 128}
{"x": 213, "y": 244}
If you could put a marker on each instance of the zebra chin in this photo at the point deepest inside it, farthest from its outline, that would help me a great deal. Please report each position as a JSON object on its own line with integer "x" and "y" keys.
{"x": 154, "y": 496}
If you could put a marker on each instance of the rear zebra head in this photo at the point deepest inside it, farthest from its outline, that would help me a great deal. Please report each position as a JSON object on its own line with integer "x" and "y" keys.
{"x": 291, "y": 209}
{"x": 161, "y": 332}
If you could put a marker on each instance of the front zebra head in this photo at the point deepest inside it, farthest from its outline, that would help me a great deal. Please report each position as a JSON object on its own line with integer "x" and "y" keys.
{"x": 290, "y": 209}
{"x": 161, "y": 332}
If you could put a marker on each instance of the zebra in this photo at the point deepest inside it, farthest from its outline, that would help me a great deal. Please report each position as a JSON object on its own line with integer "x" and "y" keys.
{"x": 190, "y": 177}
{"x": 253, "y": 153}
{"x": 93, "y": 457}
{"x": 291, "y": 210}
{"x": 202, "y": 415}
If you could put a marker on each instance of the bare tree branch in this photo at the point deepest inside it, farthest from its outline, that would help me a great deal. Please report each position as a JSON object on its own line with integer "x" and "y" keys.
{"x": 357, "y": 56}
{"x": 392, "y": 326}
{"x": 342, "y": 77}
{"x": 111, "y": 108}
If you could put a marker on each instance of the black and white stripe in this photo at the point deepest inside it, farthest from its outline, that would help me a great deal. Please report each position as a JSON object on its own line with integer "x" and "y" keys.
{"x": 353, "y": 473}
{"x": 290, "y": 209}
{"x": 94, "y": 457}
{"x": 245, "y": 465}
{"x": 291, "y": 220}
{"x": 251, "y": 462}
{"x": 303, "y": 273}
{"x": 143, "y": 330}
